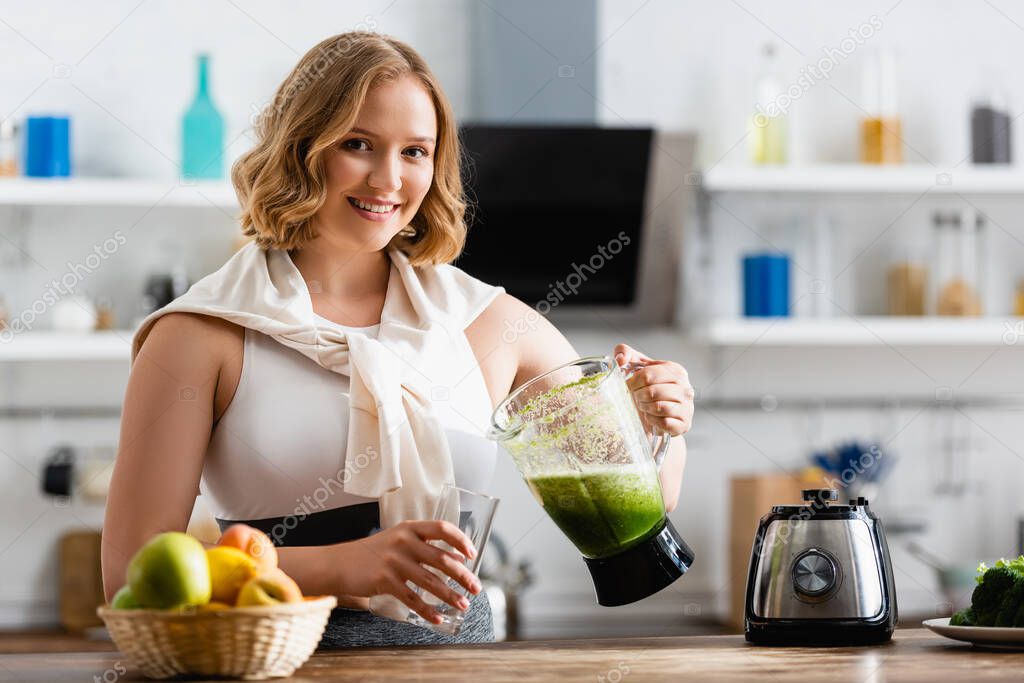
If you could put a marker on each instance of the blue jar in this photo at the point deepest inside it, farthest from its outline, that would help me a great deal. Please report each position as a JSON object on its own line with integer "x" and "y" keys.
{"x": 48, "y": 146}
{"x": 766, "y": 285}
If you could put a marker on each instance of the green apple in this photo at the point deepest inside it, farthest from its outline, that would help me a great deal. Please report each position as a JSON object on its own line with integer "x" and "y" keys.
{"x": 170, "y": 570}
{"x": 123, "y": 599}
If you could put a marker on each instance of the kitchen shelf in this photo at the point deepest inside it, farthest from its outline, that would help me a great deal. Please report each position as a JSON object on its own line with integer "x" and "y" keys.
{"x": 862, "y": 331}
{"x": 865, "y": 179}
{"x": 117, "y": 192}
{"x": 109, "y": 345}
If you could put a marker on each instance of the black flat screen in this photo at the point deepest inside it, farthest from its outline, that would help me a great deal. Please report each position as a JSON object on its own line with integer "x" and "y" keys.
{"x": 553, "y": 205}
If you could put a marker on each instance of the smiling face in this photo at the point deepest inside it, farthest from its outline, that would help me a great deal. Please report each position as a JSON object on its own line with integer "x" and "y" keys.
{"x": 379, "y": 172}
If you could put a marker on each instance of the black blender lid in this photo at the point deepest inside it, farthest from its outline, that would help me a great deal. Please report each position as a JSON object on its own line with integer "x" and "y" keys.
{"x": 820, "y": 504}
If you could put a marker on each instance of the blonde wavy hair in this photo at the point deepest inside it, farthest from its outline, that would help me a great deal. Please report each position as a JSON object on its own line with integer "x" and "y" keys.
{"x": 280, "y": 182}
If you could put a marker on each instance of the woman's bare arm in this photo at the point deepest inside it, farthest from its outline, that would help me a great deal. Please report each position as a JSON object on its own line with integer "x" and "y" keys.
{"x": 671, "y": 473}
{"x": 181, "y": 382}
{"x": 514, "y": 343}
{"x": 165, "y": 428}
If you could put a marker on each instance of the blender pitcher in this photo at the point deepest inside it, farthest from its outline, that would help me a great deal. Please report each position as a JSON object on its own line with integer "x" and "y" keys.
{"x": 576, "y": 437}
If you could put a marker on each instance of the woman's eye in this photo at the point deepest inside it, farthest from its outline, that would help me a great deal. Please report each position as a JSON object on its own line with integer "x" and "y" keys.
{"x": 416, "y": 152}
{"x": 356, "y": 144}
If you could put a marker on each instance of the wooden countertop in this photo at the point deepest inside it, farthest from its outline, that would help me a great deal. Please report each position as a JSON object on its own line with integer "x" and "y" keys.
{"x": 915, "y": 655}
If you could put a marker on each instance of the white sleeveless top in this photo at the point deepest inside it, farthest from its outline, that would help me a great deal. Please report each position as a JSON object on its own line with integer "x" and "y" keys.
{"x": 274, "y": 452}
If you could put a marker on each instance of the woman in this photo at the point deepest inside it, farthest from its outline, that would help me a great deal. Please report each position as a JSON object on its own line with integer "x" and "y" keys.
{"x": 325, "y": 381}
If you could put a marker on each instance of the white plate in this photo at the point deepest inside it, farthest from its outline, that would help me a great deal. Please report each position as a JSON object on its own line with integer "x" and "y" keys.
{"x": 982, "y": 636}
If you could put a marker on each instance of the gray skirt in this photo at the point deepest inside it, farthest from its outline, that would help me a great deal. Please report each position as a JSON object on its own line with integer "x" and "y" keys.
{"x": 358, "y": 628}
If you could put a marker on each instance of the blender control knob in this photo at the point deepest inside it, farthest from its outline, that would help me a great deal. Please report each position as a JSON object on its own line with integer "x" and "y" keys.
{"x": 814, "y": 574}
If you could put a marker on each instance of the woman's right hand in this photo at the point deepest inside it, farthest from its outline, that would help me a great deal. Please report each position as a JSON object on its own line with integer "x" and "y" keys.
{"x": 381, "y": 564}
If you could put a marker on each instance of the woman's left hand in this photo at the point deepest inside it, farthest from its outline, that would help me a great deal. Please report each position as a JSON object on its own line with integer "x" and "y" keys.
{"x": 661, "y": 389}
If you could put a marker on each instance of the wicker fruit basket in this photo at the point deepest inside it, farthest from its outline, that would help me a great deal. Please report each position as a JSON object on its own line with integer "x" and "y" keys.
{"x": 241, "y": 642}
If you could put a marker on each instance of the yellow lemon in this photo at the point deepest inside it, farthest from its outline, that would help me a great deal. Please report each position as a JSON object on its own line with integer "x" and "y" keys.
{"x": 230, "y": 569}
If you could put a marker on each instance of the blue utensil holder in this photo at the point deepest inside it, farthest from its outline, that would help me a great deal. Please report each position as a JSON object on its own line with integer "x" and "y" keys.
{"x": 766, "y": 285}
{"x": 48, "y": 146}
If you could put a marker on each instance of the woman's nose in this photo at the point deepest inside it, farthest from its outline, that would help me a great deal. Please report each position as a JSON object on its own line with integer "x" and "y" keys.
{"x": 386, "y": 175}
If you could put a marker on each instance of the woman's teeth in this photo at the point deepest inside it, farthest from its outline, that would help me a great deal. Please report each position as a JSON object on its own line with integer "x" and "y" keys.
{"x": 375, "y": 208}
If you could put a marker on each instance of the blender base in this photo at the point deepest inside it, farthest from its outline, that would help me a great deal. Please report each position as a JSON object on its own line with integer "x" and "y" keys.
{"x": 640, "y": 571}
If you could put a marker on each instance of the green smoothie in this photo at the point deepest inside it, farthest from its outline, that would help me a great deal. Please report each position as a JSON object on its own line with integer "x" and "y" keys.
{"x": 604, "y": 510}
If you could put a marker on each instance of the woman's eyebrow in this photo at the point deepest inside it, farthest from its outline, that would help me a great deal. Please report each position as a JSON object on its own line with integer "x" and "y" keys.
{"x": 363, "y": 131}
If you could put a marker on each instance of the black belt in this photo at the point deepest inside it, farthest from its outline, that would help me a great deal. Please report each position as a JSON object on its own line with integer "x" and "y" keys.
{"x": 338, "y": 525}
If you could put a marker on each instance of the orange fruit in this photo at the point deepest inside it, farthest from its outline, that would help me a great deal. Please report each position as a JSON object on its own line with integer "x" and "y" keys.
{"x": 253, "y": 542}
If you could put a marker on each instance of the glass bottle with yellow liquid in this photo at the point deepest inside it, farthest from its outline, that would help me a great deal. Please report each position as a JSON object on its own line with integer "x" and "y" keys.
{"x": 769, "y": 133}
{"x": 881, "y": 129}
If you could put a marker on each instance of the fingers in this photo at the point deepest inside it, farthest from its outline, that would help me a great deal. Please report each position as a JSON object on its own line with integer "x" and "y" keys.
{"x": 440, "y": 530}
{"x": 665, "y": 409}
{"x": 450, "y": 564}
{"x": 433, "y": 584}
{"x": 663, "y": 392}
{"x": 660, "y": 372}
{"x": 410, "y": 557}
{"x": 670, "y": 425}
{"x": 671, "y": 416}
{"x": 669, "y": 407}
{"x": 414, "y": 602}
{"x": 625, "y": 354}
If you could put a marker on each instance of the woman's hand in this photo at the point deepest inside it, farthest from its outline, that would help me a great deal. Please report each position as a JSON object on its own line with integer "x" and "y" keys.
{"x": 382, "y": 564}
{"x": 661, "y": 389}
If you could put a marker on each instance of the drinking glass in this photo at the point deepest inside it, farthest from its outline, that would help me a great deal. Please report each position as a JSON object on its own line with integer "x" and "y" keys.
{"x": 473, "y": 513}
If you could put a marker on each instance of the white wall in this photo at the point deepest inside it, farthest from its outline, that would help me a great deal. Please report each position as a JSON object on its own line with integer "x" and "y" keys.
{"x": 126, "y": 71}
{"x": 690, "y": 64}
{"x": 674, "y": 64}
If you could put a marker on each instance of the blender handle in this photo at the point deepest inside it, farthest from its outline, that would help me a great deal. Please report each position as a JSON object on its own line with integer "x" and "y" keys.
{"x": 659, "y": 440}
{"x": 662, "y": 446}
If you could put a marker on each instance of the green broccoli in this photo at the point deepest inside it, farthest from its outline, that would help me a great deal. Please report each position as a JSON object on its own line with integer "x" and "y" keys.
{"x": 999, "y": 597}
{"x": 1018, "y": 619}
{"x": 964, "y": 617}
{"x": 987, "y": 599}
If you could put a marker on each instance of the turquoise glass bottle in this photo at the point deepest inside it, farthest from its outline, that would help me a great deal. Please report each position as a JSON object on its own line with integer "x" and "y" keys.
{"x": 202, "y": 132}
